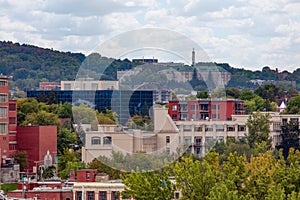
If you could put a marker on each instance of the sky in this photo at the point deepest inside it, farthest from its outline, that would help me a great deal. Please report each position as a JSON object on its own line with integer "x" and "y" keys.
{"x": 246, "y": 34}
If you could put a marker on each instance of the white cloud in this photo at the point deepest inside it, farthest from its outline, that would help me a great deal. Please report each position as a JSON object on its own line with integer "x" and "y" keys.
{"x": 248, "y": 33}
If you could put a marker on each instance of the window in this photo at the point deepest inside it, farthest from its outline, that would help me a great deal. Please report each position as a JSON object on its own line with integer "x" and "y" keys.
{"x": 193, "y": 116}
{"x": 176, "y": 195}
{"x": 88, "y": 176}
{"x": 230, "y": 128}
{"x": 197, "y": 150}
{"x": 284, "y": 121}
{"x": 187, "y": 127}
{"x": 208, "y": 128}
{"x": 216, "y": 116}
{"x": 174, "y": 107}
{"x": 79, "y": 195}
{"x": 167, "y": 139}
{"x": 107, "y": 140}
{"x": 198, "y": 128}
{"x": 241, "y": 128}
{"x": 219, "y": 128}
{"x": 174, "y": 116}
{"x": 12, "y": 147}
{"x": 3, "y": 128}
{"x": 197, "y": 140}
{"x": 67, "y": 86}
{"x": 3, "y": 83}
{"x": 12, "y": 120}
{"x": 216, "y": 107}
{"x": 3, "y": 112}
{"x": 296, "y": 120}
{"x": 96, "y": 140}
{"x": 187, "y": 139}
{"x": 103, "y": 195}
{"x": 114, "y": 195}
{"x": 3, "y": 97}
{"x": 193, "y": 107}
{"x": 12, "y": 107}
{"x": 220, "y": 139}
{"x": 183, "y": 107}
{"x": 90, "y": 195}
{"x": 183, "y": 117}
{"x": 168, "y": 150}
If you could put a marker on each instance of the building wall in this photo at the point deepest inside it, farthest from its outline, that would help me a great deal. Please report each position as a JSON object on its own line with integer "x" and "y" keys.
{"x": 36, "y": 141}
{"x": 8, "y": 122}
{"x": 125, "y": 103}
{"x": 49, "y": 194}
{"x": 89, "y": 84}
{"x": 206, "y": 109}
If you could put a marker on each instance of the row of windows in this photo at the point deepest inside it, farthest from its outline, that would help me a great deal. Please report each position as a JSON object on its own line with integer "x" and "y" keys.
{"x": 97, "y": 140}
{"x": 209, "y": 128}
{"x": 184, "y": 107}
{"x": 208, "y": 139}
{"x": 3, "y": 83}
{"x": 102, "y": 195}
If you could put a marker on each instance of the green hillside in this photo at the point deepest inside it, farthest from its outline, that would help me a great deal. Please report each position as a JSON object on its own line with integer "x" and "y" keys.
{"x": 28, "y": 65}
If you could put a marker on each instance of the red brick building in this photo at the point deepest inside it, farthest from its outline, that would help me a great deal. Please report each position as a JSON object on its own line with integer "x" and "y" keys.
{"x": 8, "y": 123}
{"x": 207, "y": 109}
{"x": 37, "y": 141}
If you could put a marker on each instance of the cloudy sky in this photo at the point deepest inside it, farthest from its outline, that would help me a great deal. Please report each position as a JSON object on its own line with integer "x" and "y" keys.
{"x": 245, "y": 33}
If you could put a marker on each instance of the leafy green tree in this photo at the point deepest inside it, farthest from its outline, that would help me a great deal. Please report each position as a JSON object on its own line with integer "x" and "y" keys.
{"x": 48, "y": 172}
{"x": 233, "y": 92}
{"x": 194, "y": 178}
{"x": 258, "y": 129}
{"x": 220, "y": 191}
{"x": 246, "y": 94}
{"x": 102, "y": 167}
{"x": 65, "y": 139}
{"x": 293, "y": 106}
{"x": 203, "y": 94}
{"x": 65, "y": 110}
{"x": 83, "y": 114}
{"x": 21, "y": 158}
{"x": 289, "y": 137}
{"x": 68, "y": 161}
{"x": 41, "y": 118}
{"x": 148, "y": 185}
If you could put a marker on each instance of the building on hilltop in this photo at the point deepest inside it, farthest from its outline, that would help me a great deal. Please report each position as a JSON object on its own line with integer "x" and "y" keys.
{"x": 89, "y": 84}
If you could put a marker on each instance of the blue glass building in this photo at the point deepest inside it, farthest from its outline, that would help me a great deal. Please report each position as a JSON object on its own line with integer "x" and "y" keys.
{"x": 125, "y": 103}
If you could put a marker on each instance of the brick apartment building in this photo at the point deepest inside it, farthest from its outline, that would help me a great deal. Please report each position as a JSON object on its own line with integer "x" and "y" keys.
{"x": 35, "y": 140}
{"x": 205, "y": 109}
{"x": 8, "y": 123}
{"x": 40, "y": 143}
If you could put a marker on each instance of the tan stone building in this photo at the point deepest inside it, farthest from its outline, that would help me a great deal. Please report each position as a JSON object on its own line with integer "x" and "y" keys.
{"x": 89, "y": 84}
{"x": 171, "y": 136}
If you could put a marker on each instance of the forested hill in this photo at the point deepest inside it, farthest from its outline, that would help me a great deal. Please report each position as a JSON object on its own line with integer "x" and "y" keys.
{"x": 29, "y": 65}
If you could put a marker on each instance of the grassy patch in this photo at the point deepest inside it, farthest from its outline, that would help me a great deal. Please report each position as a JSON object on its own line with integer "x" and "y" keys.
{"x": 9, "y": 187}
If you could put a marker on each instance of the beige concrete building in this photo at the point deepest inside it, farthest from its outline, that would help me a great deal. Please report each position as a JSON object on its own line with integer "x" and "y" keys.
{"x": 196, "y": 137}
{"x": 89, "y": 84}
